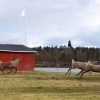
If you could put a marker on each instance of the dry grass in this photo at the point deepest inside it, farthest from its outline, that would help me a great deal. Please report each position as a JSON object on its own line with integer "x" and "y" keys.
{"x": 38, "y": 85}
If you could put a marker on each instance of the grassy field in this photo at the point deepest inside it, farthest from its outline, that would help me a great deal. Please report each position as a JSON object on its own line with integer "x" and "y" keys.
{"x": 38, "y": 85}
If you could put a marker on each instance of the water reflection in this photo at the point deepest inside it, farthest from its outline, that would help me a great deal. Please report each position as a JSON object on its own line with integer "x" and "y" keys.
{"x": 55, "y": 69}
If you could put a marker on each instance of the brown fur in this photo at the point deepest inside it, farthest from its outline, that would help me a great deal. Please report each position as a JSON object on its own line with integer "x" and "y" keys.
{"x": 10, "y": 64}
{"x": 77, "y": 64}
{"x": 91, "y": 67}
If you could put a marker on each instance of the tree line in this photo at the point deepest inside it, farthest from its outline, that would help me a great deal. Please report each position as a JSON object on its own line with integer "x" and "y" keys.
{"x": 62, "y": 56}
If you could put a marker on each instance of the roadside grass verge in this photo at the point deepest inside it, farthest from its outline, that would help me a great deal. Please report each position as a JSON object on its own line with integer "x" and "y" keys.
{"x": 39, "y": 85}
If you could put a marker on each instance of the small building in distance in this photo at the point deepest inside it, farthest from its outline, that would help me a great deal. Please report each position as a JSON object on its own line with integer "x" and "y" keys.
{"x": 69, "y": 44}
{"x": 9, "y": 51}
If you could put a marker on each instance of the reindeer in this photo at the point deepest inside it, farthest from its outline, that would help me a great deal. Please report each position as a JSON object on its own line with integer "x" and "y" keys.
{"x": 90, "y": 67}
{"x": 79, "y": 65}
{"x": 10, "y": 64}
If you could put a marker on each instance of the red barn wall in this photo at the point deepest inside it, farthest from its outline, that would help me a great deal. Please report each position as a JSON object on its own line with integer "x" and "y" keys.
{"x": 27, "y": 62}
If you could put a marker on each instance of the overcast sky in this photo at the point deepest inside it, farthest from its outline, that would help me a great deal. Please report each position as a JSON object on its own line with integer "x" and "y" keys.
{"x": 50, "y": 22}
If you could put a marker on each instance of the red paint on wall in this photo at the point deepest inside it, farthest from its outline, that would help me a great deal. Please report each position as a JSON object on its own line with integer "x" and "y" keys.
{"x": 27, "y": 62}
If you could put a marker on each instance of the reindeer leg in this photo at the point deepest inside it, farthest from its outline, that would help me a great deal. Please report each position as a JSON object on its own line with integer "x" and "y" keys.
{"x": 83, "y": 73}
{"x": 15, "y": 69}
{"x": 90, "y": 74}
{"x": 10, "y": 70}
{"x": 79, "y": 72}
{"x": 68, "y": 71}
{"x": 2, "y": 70}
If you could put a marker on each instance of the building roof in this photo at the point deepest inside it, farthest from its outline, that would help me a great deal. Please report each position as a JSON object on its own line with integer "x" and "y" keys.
{"x": 15, "y": 48}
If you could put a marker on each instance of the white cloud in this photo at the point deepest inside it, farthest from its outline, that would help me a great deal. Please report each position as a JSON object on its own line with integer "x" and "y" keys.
{"x": 50, "y": 22}
{"x": 97, "y": 1}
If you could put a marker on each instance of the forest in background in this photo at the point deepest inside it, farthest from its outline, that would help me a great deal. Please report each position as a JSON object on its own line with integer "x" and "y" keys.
{"x": 62, "y": 56}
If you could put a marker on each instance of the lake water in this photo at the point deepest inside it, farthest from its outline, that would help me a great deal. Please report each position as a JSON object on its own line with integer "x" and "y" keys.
{"x": 55, "y": 69}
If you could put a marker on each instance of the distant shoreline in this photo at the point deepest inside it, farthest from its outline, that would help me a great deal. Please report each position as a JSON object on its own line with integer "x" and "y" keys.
{"x": 50, "y": 66}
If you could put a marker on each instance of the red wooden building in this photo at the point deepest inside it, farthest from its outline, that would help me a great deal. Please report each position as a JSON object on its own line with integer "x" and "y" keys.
{"x": 9, "y": 51}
